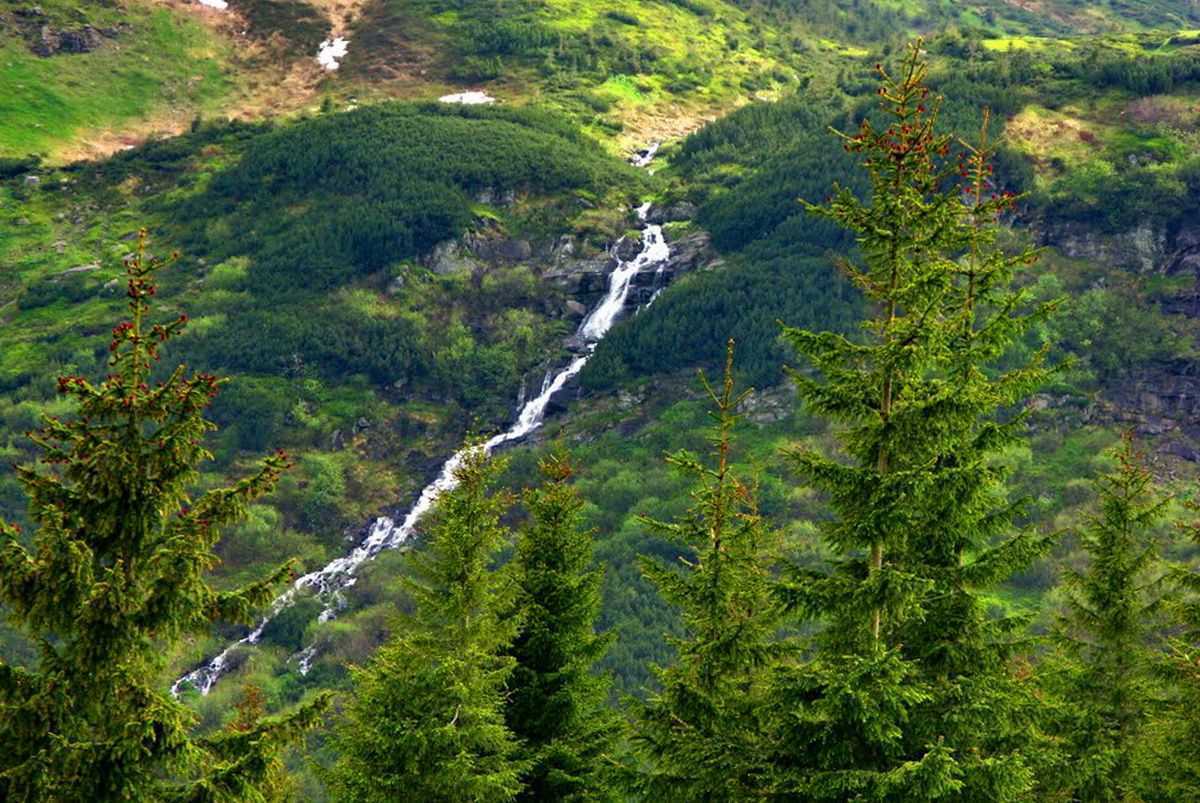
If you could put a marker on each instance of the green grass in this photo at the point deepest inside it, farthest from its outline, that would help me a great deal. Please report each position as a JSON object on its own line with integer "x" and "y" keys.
{"x": 164, "y": 63}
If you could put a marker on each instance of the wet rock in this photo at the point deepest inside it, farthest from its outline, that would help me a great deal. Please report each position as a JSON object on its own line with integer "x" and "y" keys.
{"x": 627, "y": 248}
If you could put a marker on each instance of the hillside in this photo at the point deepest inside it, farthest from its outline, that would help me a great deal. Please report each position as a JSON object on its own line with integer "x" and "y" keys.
{"x": 383, "y": 275}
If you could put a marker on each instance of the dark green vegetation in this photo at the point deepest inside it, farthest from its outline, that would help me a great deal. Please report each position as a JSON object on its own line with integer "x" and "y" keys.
{"x": 309, "y": 278}
{"x": 427, "y": 719}
{"x": 117, "y": 568}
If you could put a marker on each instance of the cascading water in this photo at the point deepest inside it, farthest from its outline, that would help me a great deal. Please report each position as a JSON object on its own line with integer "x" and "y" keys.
{"x": 338, "y": 575}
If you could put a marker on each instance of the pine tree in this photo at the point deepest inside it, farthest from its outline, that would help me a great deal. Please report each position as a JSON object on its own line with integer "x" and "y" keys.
{"x": 557, "y": 706}
{"x": 426, "y": 717}
{"x": 698, "y": 738}
{"x": 1171, "y": 768}
{"x": 1105, "y": 636}
{"x": 921, "y": 522}
{"x": 115, "y": 574}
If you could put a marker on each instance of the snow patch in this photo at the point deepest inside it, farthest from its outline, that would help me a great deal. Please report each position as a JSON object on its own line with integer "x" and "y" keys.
{"x": 331, "y": 51}
{"x": 473, "y": 98}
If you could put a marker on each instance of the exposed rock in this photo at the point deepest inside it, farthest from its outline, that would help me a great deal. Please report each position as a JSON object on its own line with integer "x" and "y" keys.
{"x": 32, "y": 181}
{"x": 771, "y": 405}
{"x": 81, "y": 269}
{"x": 628, "y": 248}
{"x": 51, "y": 41}
{"x": 499, "y": 249}
{"x": 449, "y": 258}
{"x": 395, "y": 286}
{"x": 584, "y": 279}
{"x": 1144, "y": 249}
{"x": 564, "y": 249}
{"x": 674, "y": 213}
{"x": 575, "y": 310}
{"x": 494, "y": 197}
{"x": 692, "y": 252}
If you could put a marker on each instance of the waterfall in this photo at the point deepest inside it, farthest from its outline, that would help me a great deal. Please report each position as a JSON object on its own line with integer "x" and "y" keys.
{"x": 384, "y": 533}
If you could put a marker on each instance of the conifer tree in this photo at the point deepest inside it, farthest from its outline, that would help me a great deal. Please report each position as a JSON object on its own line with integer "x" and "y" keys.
{"x": 426, "y": 717}
{"x": 1171, "y": 768}
{"x": 921, "y": 521}
{"x": 116, "y": 572}
{"x": 557, "y": 706}
{"x": 1103, "y": 672}
{"x": 698, "y": 738}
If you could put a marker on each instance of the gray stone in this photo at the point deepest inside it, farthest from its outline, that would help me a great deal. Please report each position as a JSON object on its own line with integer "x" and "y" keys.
{"x": 575, "y": 310}
{"x": 81, "y": 269}
{"x": 32, "y": 181}
{"x": 627, "y": 248}
{"x": 448, "y": 258}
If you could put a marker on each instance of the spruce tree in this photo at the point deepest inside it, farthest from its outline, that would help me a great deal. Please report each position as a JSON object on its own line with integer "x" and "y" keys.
{"x": 921, "y": 523}
{"x": 557, "y": 705}
{"x": 114, "y": 575}
{"x": 1171, "y": 768}
{"x": 426, "y": 717}
{"x": 1102, "y": 673}
{"x": 699, "y": 736}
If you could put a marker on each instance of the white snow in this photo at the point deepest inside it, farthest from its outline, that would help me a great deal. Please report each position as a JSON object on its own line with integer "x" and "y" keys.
{"x": 331, "y": 51}
{"x": 472, "y": 98}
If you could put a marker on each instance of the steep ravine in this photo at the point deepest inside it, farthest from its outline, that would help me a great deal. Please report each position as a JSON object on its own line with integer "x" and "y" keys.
{"x": 649, "y": 255}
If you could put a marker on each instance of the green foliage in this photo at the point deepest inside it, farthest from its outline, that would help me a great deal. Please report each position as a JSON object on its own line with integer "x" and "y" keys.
{"x": 921, "y": 526}
{"x": 556, "y": 706}
{"x": 116, "y": 570}
{"x": 426, "y": 719}
{"x": 699, "y": 737}
{"x": 1102, "y": 674}
{"x": 344, "y": 198}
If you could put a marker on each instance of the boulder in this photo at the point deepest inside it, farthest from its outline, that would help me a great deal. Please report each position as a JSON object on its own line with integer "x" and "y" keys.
{"x": 627, "y": 248}
{"x": 672, "y": 213}
{"x": 51, "y": 41}
{"x": 449, "y": 258}
{"x": 574, "y": 310}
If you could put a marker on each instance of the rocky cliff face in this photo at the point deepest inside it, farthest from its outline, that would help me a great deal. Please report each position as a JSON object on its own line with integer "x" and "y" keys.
{"x": 576, "y": 271}
{"x": 1147, "y": 248}
{"x": 1160, "y": 401}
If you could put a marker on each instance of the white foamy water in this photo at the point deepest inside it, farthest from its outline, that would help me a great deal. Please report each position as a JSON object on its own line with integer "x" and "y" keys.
{"x": 328, "y": 582}
{"x": 219, "y": 5}
{"x": 332, "y": 51}
{"x": 473, "y": 98}
{"x": 655, "y": 251}
{"x": 644, "y": 158}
